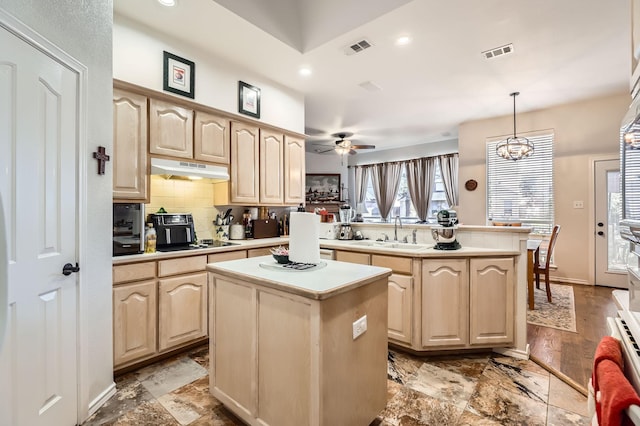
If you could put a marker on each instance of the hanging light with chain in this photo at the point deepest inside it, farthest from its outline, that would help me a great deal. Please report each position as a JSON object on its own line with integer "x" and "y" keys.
{"x": 514, "y": 147}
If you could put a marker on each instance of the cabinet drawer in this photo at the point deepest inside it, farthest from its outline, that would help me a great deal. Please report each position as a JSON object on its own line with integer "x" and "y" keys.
{"x": 182, "y": 265}
{"x": 349, "y": 256}
{"x": 398, "y": 264}
{"x": 229, "y": 255}
{"x": 134, "y": 272}
{"x": 264, "y": 251}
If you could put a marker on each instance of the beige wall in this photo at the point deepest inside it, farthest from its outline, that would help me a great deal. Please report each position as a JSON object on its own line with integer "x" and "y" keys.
{"x": 583, "y": 131}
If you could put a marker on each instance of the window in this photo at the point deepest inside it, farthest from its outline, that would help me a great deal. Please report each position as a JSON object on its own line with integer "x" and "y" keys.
{"x": 522, "y": 190}
{"x": 402, "y": 206}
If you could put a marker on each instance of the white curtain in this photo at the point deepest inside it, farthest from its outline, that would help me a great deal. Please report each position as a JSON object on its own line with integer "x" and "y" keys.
{"x": 449, "y": 171}
{"x": 421, "y": 174}
{"x": 385, "y": 179}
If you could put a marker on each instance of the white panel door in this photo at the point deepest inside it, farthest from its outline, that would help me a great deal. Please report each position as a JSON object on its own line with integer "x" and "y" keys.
{"x": 610, "y": 248}
{"x": 38, "y": 142}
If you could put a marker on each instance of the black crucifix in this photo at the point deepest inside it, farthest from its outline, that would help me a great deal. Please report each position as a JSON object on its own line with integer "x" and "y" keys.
{"x": 102, "y": 157}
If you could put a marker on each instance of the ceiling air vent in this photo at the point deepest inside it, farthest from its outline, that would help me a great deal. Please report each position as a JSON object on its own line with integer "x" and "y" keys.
{"x": 498, "y": 51}
{"x": 357, "y": 47}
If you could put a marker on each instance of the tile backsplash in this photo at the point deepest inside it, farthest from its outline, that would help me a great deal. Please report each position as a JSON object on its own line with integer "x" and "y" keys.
{"x": 185, "y": 196}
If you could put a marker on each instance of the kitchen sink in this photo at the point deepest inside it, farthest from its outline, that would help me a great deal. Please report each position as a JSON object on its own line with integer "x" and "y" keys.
{"x": 392, "y": 245}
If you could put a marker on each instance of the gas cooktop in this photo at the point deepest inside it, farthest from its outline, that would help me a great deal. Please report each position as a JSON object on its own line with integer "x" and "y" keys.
{"x": 202, "y": 245}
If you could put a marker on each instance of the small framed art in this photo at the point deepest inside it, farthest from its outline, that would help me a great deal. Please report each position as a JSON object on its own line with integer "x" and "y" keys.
{"x": 179, "y": 75}
{"x": 248, "y": 99}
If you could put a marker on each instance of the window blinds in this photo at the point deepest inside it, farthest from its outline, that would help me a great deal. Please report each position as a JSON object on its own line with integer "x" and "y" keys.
{"x": 522, "y": 190}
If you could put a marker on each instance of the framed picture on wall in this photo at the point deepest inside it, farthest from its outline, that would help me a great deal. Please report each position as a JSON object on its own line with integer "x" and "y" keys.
{"x": 179, "y": 75}
{"x": 322, "y": 188}
{"x": 248, "y": 99}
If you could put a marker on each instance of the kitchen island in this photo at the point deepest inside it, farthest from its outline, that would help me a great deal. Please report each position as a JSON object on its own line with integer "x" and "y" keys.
{"x": 282, "y": 345}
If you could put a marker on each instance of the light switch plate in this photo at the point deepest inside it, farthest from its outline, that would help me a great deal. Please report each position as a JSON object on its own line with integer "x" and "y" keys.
{"x": 359, "y": 327}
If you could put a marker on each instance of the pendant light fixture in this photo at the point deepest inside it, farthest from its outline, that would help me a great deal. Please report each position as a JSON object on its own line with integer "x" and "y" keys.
{"x": 515, "y": 147}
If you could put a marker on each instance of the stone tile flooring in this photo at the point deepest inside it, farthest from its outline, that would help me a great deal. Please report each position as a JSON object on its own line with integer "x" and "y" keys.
{"x": 487, "y": 389}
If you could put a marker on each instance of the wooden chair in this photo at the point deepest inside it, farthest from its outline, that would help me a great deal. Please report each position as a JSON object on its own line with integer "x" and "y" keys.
{"x": 542, "y": 266}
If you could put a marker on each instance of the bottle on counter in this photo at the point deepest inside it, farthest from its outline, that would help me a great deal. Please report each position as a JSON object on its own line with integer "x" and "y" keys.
{"x": 150, "y": 238}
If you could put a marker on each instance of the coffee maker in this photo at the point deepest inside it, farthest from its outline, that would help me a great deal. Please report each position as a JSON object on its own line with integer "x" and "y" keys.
{"x": 445, "y": 232}
{"x": 346, "y": 216}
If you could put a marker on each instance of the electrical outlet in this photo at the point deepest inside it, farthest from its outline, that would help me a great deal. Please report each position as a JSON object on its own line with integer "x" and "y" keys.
{"x": 359, "y": 327}
{"x": 578, "y": 205}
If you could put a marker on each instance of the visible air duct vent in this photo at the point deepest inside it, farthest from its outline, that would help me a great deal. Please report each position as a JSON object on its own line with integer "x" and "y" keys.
{"x": 498, "y": 51}
{"x": 370, "y": 86}
{"x": 357, "y": 47}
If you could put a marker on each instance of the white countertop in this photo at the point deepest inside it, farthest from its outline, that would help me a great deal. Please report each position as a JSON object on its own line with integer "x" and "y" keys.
{"x": 238, "y": 245}
{"x": 410, "y": 250}
{"x": 335, "y": 278}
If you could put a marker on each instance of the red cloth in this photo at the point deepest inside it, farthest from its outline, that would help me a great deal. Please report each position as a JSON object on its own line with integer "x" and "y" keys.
{"x": 616, "y": 394}
{"x": 608, "y": 349}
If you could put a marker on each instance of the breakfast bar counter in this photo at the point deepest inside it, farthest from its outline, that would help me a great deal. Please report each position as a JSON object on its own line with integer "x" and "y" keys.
{"x": 293, "y": 347}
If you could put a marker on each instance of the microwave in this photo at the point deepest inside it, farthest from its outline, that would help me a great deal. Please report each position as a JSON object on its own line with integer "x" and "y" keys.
{"x": 128, "y": 228}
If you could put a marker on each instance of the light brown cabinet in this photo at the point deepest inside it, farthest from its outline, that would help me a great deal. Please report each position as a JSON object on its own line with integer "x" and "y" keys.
{"x": 158, "y": 306}
{"x": 182, "y": 310}
{"x": 170, "y": 129}
{"x": 267, "y": 167}
{"x": 211, "y": 138}
{"x": 353, "y": 257}
{"x": 271, "y": 167}
{"x": 294, "y": 170}
{"x": 134, "y": 321}
{"x": 468, "y": 303}
{"x": 445, "y": 303}
{"x": 491, "y": 301}
{"x": 399, "y": 322}
{"x": 130, "y": 160}
{"x": 244, "y": 175}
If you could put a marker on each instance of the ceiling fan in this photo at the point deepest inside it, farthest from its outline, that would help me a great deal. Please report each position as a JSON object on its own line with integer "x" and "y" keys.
{"x": 342, "y": 146}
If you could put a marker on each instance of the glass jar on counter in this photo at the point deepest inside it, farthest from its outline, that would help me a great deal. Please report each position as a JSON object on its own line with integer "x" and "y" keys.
{"x": 150, "y": 239}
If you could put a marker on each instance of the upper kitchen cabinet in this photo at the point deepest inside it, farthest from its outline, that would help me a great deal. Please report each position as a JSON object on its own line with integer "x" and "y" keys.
{"x": 170, "y": 130}
{"x": 294, "y": 170}
{"x": 271, "y": 167}
{"x": 129, "y": 146}
{"x": 211, "y": 138}
{"x": 244, "y": 180}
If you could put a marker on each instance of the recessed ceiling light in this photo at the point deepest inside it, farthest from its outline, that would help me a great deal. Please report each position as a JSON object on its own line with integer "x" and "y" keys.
{"x": 403, "y": 40}
{"x": 305, "y": 71}
{"x": 168, "y": 3}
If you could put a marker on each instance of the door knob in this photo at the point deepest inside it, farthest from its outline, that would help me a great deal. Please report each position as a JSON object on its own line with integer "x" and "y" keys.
{"x": 600, "y": 233}
{"x": 68, "y": 268}
{"x": 600, "y": 224}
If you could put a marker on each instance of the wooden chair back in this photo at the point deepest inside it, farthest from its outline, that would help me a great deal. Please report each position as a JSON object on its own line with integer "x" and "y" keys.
{"x": 550, "y": 246}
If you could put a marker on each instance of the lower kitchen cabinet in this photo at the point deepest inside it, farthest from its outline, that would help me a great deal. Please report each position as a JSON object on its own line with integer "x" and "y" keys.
{"x": 467, "y": 303}
{"x": 445, "y": 303}
{"x": 491, "y": 298}
{"x": 182, "y": 310}
{"x": 134, "y": 321}
{"x": 399, "y": 308}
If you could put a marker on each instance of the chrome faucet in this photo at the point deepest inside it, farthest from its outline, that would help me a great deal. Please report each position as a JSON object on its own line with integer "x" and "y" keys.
{"x": 395, "y": 228}
{"x": 413, "y": 236}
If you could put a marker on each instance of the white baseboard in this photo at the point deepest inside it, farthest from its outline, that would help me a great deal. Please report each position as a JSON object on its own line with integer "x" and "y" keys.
{"x": 101, "y": 399}
{"x": 514, "y": 353}
{"x": 561, "y": 280}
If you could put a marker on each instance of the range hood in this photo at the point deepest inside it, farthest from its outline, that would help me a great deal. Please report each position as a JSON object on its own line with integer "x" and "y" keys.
{"x": 161, "y": 166}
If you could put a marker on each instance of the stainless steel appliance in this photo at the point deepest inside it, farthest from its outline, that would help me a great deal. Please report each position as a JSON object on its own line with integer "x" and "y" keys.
{"x": 175, "y": 231}
{"x": 445, "y": 232}
{"x": 128, "y": 228}
{"x": 346, "y": 233}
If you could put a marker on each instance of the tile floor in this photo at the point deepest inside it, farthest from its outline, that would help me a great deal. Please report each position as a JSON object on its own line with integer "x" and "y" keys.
{"x": 484, "y": 389}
